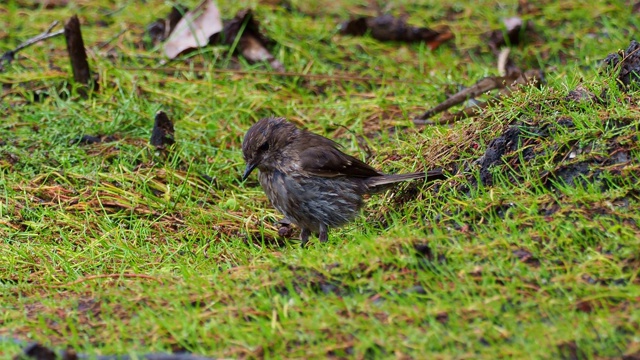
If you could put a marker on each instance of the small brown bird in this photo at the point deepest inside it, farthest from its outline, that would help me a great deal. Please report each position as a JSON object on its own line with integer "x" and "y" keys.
{"x": 308, "y": 179}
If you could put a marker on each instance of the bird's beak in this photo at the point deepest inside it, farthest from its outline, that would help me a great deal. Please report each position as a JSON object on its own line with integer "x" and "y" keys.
{"x": 248, "y": 170}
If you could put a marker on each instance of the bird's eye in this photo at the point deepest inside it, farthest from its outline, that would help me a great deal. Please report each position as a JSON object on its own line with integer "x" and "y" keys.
{"x": 264, "y": 147}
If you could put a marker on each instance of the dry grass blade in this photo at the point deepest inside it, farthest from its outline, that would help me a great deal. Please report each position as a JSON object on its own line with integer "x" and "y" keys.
{"x": 105, "y": 276}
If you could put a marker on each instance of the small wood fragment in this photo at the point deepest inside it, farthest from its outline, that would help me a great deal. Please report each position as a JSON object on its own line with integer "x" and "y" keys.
{"x": 76, "y": 50}
{"x": 162, "y": 134}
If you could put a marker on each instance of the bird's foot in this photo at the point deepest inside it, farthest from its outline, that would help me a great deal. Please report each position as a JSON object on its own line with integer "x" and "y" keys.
{"x": 304, "y": 236}
{"x": 324, "y": 234}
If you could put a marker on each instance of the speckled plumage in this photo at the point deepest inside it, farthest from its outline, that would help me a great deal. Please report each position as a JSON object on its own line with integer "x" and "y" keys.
{"x": 308, "y": 179}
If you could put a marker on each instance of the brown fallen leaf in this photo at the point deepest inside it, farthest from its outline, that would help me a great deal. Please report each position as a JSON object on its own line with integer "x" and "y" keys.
{"x": 194, "y": 29}
{"x": 389, "y": 28}
{"x": 586, "y": 306}
{"x": 511, "y": 35}
{"x": 526, "y": 257}
{"x": 160, "y": 29}
{"x": 514, "y": 32}
{"x": 253, "y": 45}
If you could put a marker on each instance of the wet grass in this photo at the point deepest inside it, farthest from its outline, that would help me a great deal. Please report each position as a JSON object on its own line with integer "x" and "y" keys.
{"x": 112, "y": 248}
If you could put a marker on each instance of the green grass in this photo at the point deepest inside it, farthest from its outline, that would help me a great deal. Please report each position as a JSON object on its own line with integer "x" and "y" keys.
{"x": 527, "y": 267}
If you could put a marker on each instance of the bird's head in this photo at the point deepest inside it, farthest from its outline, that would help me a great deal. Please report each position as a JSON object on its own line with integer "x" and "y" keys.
{"x": 264, "y": 141}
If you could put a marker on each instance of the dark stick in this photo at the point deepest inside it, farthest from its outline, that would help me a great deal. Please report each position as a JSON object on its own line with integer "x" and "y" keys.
{"x": 77, "y": 53}
{"x": 47, "y": 34}
{"x": 504, "y": 83}
{"x": 163, "y": 133}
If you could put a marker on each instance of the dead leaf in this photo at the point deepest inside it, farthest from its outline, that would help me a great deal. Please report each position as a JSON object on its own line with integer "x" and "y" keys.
{"x": 194, "y": 29}
{"x": 510, "y": 35}
{"x": 160, "y": 29}
{"x": 253, "y": 45}
{"x": 442, "y": 317}
{"x": 526, "y": 257}
{"x": 254, "y": 51}
{"x": 585, "y": 306}
{"x": 389, "y": 28}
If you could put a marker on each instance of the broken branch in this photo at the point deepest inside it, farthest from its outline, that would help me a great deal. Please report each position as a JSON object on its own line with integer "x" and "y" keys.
{"x": 9, "y": 56}
{"x": 505, "y": 83}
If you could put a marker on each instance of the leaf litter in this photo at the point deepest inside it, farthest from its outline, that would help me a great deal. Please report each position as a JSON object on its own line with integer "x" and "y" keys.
{"x": 389, "y": 28}
{"x": 194, "y": 29}
{"x": 203, "y": 26}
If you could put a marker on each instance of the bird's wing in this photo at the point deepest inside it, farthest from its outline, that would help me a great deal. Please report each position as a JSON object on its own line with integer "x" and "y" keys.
{"x": 321, "y": 157}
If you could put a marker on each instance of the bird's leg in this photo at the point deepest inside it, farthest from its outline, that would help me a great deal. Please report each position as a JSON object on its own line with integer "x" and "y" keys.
{"x": 304, "y": 236}
{"x": 323, "y": 236}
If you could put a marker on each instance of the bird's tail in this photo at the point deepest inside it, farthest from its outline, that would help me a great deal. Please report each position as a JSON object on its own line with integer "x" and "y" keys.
{"x": 379, "y": 182}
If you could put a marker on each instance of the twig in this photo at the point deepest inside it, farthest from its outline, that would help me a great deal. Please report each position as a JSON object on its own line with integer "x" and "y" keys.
{"x": 104, "y": 276}
{"x": 506, "y": 84}
{"x": 101, "y": 46}
{"x": 76, "y": 50}
{"x": 47, "y": 34}
{"x": 479, "y": 88}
